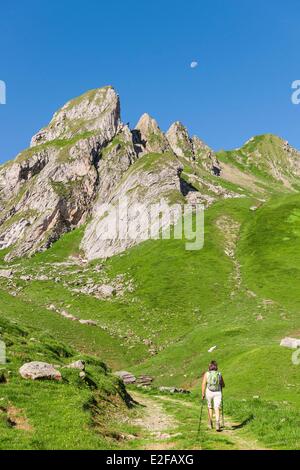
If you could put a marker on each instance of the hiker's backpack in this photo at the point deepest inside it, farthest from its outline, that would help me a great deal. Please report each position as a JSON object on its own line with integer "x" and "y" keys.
{"x": 213, "y": 379}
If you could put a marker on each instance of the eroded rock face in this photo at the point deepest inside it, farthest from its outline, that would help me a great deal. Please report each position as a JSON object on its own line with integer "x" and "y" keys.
{"x": 39, "y": 371}
{"x": 115, "y": 160}
{"x": 123, "y": 222}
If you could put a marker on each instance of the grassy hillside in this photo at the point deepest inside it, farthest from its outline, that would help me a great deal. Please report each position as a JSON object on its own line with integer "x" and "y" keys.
{"x": 70, "y": 414}
{"x": 271, "y": 162}
{"x": 239, "y": 293}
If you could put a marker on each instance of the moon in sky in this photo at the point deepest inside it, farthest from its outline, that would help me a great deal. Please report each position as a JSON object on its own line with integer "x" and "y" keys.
{"x": 194, "y": 64}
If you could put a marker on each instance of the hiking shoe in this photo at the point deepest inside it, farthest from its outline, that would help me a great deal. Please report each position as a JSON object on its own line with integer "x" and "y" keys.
{"x": 218, "y": 427}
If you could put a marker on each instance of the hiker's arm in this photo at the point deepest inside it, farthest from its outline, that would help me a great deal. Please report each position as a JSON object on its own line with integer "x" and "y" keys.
{"x": 203, "y": 386}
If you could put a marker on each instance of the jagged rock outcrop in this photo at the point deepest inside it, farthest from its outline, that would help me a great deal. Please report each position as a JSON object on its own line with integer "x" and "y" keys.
{"x": 97, "y": 110}
{"x": 148, "y": 138}
{"x": 192, "y": 148}
{"x": 179, "y": 140}
{"x": 50, "y": 188}
{"x": 204, "y": 155}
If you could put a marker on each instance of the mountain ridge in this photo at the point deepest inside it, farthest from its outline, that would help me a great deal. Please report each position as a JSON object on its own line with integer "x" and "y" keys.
{"x": 74, "y": 164}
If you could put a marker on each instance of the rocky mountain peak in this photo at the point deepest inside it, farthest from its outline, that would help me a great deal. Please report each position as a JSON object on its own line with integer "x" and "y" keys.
{"x": 50, "y": 188}
{"x": 179, "y": 140}
{"x": 95, "y": 111}
{"x": 148, "y": 137}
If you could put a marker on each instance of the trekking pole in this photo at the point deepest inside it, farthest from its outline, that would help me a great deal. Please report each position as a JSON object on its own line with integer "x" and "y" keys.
{"x": 200, "y": 419}
{"x": 223, "y": 411}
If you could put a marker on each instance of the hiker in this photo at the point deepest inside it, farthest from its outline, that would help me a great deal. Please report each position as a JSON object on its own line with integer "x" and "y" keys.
{"x": 212, "y": 385}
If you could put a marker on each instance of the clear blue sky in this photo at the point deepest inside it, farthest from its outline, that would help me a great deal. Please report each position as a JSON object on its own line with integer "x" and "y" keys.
{"x": 247, "y": 50}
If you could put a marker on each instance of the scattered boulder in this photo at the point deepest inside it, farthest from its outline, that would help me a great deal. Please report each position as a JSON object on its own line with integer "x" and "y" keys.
{"x": 106, "y": 290}
{"x": 129, "y": 378}
{"x": 292, "y": 343}
{"x": 173, "y": 390}
{"x": 126, "y": 377}
{"x": 39, "y": 371}
{"x": 144, "y": 380}
{"x": 6, "y": 273}
{"x": 76, "y": 365}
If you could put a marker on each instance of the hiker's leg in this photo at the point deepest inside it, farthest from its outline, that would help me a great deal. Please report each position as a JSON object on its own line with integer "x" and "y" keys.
{"x": 209, "y": 408}
{"x": 210, "y": 418}
{"x": 217, "y": 405}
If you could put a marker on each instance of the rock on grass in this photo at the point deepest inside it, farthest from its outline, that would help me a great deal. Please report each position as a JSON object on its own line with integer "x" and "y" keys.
{"x": 39, "y": 371}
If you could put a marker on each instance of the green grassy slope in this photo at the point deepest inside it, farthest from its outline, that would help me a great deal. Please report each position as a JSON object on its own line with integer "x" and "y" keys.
{"x": 70, "y": 414}
{"x": 268, "y": 159}
{"x": 185, "y": 302}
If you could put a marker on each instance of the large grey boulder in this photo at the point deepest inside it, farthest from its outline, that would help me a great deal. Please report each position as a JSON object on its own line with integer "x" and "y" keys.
{"x": 39, "y": 371}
